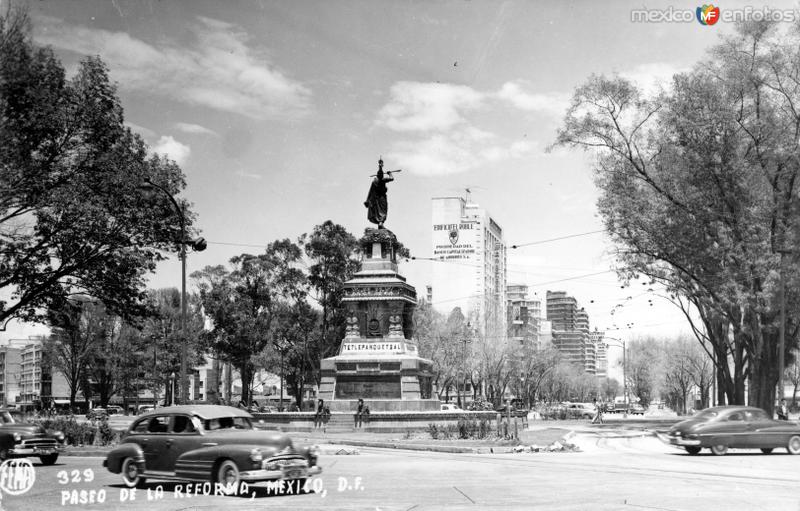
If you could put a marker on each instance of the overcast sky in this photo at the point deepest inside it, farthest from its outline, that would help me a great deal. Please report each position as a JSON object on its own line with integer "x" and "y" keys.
{"x": 278, "y": 112}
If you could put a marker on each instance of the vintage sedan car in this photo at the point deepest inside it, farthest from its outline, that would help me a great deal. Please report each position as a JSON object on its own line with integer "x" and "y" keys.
{"x": 738, "y": 427}
{"x": 20, "y": 439}
{"x": 207, "y": 443}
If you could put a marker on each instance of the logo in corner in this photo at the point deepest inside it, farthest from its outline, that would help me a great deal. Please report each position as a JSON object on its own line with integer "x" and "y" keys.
{"x": 453, "y": 236}
{"x": 16, "y": 476}
{"x": 707, "y": 14}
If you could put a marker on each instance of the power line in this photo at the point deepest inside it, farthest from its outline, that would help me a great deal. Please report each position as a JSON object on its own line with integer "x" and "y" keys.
{"x": 556, "y": 239}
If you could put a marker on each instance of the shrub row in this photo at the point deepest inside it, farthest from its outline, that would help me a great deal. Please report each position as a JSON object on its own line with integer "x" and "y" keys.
{"x": 464, "y": 429}
{"x": 76, "y": 433}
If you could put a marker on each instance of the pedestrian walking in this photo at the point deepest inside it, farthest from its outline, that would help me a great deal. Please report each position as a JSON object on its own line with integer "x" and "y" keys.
{"x": 598, "y": 412}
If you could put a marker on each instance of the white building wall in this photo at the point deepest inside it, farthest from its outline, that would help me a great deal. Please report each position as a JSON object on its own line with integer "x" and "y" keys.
{"x": 469, "y": 270}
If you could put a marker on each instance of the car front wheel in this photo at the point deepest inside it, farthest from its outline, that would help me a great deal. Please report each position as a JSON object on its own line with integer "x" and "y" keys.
{"x": 228, "y": 476}
{"x": 48, "y": 459}
{"x": 131, "y": 474}
{"x": 720, "y": 449}
{"x": 692, "y": 449}
{"x": 793, "y": 447}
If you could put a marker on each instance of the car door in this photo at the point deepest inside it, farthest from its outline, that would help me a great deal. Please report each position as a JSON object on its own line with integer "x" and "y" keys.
{"x": 183, "y": 437}
{"x": 732, "y": 429}
{"x": 154, "y": 443}
{"x": 763, "y": 431}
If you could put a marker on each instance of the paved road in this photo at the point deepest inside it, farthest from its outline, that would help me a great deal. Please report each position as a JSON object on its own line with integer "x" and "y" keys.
{"x": 611, "y": 474}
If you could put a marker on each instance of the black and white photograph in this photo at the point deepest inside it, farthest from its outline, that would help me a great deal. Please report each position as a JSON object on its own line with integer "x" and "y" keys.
{"x": 399, "y": 255}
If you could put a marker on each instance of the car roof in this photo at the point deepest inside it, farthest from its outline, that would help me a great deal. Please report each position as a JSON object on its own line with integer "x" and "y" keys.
{"x": 202, "y": 411}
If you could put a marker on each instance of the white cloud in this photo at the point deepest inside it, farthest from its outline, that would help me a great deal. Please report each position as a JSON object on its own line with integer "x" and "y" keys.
{"x": 172, "y": 149}
{"x": 453, "y": 152}
{"x": 217, "y": 70}
{"x": 650, "y": 78}
{"x": 552, "y": 103}
{"x": 194, "y": 129}
{"x": 442, "y": 136}
{"x": 416, "y": 106}
{"x": 248, "y": 175}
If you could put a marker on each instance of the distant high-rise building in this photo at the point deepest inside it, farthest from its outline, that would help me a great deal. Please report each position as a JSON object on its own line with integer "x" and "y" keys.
{"x": 596, "y": 338}
{"x": 524, "y": 315}
{"x": 470, "y": 271}
{"x": 571, "y": 330}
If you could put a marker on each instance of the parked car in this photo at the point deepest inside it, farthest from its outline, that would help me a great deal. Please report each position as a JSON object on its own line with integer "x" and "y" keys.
{"x": 207, "y": 442}
{"x": 449, "y": 407}
{"x": 115, "y": 410}
{"x": 738, "y": 427}
{"x": 636, "y": 409}
{"x": 20, "y": 439}
{"x": 579, "y": 410}
{"x": 145, "y": 409}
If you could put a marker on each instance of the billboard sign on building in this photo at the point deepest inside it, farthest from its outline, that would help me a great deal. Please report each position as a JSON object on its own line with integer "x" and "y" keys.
{"x": 455, "y": 241}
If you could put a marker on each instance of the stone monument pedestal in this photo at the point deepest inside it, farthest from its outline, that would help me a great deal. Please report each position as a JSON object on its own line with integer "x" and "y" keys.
{"x": 377, "y": 361}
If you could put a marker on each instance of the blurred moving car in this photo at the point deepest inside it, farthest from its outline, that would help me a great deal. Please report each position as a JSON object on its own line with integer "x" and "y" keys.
{"x": 22, "y": 440}
{"x": 208, "y": 442}
{"x": 738, "y": 427}
{"x": 449, "y": 407}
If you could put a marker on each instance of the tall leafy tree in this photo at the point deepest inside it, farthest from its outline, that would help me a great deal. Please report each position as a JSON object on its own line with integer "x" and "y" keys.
{"x": 243, "y": 302}
{"x": 332, "y": 251}
{"x": 74, "y": 217}
{"x": 160, "y": 344}
{"x": 699, "y": 191}
{"x": 78, "y": 325}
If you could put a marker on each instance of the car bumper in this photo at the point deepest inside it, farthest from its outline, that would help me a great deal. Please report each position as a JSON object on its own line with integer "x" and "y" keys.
{"x": 251, "y": 476}
{"x": 678, "y": 440}
{"x": 35, "y": 451}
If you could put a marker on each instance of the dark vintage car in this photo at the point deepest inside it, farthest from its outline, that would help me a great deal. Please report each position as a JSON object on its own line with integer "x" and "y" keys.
{"x": 207, "y": 443}
{"x": 20, "y": 439}
{"x": 738, "y": 427}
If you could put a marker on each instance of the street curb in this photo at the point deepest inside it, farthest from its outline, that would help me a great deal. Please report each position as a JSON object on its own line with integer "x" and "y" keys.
{"x": 407, "y": 447}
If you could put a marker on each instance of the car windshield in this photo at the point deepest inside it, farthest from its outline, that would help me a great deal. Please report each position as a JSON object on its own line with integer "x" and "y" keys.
{"x": 227, "y": 423}
{"x": 6, "y": 418}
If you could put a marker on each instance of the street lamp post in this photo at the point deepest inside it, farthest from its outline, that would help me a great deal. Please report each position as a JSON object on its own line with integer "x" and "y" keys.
{"x": 465, "y": 340}
{"x": 198, "y": 245}
{"x": 624, "y": 372}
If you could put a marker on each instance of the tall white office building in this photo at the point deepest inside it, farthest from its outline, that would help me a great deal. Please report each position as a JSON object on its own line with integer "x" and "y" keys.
{"x": 470, "y": 265}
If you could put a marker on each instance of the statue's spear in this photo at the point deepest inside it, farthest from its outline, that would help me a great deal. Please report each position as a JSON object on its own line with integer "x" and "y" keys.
{"x": 388, "y": 172}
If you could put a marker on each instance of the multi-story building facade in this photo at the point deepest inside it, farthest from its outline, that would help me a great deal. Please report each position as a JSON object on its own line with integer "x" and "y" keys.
{"x": 524, "y": 315}
{"x": 10, "y": 361}
{"x": 601, "y": 356}
{"x": 571, "y": 334}
{"x": 470, "y": 271}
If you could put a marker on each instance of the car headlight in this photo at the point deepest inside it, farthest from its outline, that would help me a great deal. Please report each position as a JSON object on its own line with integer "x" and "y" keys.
{"x": 17, "y": 437}
{"x": 256, "y": 456}
{"x": 59, "y": 436}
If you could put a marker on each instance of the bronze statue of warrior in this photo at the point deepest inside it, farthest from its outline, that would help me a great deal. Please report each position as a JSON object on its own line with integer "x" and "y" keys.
{"x": 376, "y": 203}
